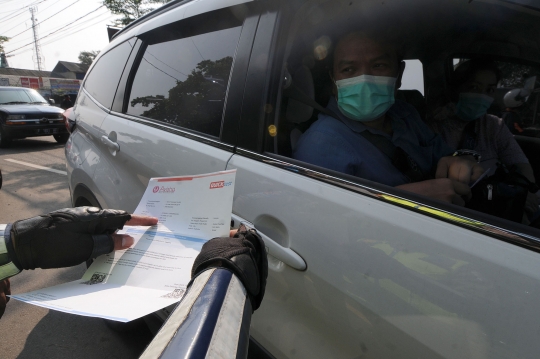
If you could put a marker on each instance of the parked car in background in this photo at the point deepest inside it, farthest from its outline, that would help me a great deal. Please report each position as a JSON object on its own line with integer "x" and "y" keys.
{"x": 357, "y": 269}
{"x": 25, "y": 113}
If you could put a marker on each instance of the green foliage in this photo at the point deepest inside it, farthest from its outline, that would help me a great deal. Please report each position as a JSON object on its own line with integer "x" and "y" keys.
{"x": 2, "y": 40}
{"x": 130, "y": 9}
{"x": 87, "y": 57}
{"x": 195, "y": 102}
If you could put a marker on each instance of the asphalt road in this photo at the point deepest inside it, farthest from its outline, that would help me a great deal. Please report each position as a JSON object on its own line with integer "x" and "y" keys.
{"x": 27, "y": 331}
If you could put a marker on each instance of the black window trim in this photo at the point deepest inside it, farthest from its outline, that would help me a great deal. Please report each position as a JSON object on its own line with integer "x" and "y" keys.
{"x": 120, "y": 93}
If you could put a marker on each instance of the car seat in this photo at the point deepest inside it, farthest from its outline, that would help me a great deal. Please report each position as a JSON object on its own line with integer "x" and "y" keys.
{"x": 415, "y": 98}
{"x": 297, "y": 115}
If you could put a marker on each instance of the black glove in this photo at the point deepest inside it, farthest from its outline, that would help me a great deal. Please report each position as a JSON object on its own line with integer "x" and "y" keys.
{"x": 244, "y": 254}
{"x": 63, "y": 238}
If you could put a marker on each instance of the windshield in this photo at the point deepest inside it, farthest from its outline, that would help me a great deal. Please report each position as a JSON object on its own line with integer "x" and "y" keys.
{"x": 20, "y": 96}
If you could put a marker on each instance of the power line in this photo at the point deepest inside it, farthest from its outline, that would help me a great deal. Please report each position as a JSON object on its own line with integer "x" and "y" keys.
{"x": 21, "y": 10}
{"x": 62, "y": 36}
{"x": 56, "y": 30}
{"x": 54, "y": 39}
{"x": 54, "y": 3}
{"x": 41, "y": 22}
{"x": 60, "y": 29}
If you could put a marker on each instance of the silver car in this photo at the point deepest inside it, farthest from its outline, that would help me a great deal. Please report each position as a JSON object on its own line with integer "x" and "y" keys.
{"x": 358, "y": 269}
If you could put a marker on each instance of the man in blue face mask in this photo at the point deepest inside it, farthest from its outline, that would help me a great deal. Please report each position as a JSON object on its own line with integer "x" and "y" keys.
{"x": 369, "y": 134}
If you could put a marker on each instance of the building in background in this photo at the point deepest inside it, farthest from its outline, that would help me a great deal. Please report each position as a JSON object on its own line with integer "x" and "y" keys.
{"x": 70, "y": 70}
{"x": 64, "y": 79}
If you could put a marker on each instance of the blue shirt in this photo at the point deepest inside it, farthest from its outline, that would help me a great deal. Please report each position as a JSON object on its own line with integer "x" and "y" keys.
{"x": 339, "y": 145}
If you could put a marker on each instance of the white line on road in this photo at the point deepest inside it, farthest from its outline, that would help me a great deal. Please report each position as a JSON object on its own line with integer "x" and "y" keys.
{"x": 36, "y": 166}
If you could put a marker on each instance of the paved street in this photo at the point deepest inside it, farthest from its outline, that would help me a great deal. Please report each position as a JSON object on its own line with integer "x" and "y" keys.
{"x": 28, "y": 331}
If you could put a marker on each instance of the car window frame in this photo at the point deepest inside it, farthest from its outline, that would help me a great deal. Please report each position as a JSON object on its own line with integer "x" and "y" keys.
{"x": 255, "y": 144}
{"x": 95, "y": 100}
{"x": 227, "y": 138}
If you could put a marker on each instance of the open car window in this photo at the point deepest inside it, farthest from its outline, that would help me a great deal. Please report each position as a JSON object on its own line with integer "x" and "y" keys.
{"x": 427, "y": 36}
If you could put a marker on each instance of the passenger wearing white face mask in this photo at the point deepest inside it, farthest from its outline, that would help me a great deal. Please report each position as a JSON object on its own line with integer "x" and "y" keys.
{"x": 367, "y": 133}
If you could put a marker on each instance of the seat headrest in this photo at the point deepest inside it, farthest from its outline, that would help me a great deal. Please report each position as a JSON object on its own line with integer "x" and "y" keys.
{"x": 415, "y": 98}
{"x": 298, "y": 112}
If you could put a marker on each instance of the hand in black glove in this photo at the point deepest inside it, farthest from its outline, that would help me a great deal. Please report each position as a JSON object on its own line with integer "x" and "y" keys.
{"x": 69, "y": 236}
{"x": 244, "y": 254}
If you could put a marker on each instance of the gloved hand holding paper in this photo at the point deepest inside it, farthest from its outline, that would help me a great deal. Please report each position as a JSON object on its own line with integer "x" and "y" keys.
{"x": 153, "y": 273}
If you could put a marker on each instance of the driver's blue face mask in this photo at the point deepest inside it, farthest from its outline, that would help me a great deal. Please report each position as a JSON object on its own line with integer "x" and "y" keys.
{"x": 365, "y": 98}
{"x": 471, "y": 106}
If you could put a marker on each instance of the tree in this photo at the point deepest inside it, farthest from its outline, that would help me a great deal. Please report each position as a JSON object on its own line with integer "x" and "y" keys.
{"x": 130, "y": 9}
{"x": 194, "y": 102}
{"x": 2, "y": 40}
{"x": 86, "y": 57}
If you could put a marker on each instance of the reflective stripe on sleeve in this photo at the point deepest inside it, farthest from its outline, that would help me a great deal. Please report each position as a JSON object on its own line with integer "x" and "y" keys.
{"x": 7, "y": 268}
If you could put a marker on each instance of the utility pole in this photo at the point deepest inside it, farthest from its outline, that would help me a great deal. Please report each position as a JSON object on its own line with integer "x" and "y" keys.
{"x": 3, "y": 60}
{"x": 38, "y": 60}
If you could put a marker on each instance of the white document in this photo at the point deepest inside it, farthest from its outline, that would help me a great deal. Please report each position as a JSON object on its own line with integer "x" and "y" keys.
{"x": 153, "y": 273}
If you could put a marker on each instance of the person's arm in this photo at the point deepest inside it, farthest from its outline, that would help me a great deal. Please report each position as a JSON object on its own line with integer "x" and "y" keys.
{"x": 328, "y": 150}
{"x": 213, "y": 318}
{"x": 427, "y": 137}
{"x": 64, "y": 238}
{"x": 463, "y": 169}
{"x": 442, "y": 189}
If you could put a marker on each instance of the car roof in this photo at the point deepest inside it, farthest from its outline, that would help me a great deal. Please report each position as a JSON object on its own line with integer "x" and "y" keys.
{"x": 150, "y": 15}
{"x": 436, "y": 29}
{"x": 195, "y": 8}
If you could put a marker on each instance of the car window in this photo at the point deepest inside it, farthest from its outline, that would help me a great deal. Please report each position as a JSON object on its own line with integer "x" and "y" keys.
{"x": 183, "y": 75}
{"x": 413, "y": 76}
{"x": 35, "y": 96}
{"x": 363, "y": 132}
{"x": 13, "y": 96}
{"x": 102, "y": 80}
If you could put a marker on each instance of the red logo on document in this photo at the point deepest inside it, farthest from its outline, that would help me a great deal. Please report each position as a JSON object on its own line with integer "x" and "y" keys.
{"x": 156, "y": 189}
{"x": 218, "y": 184}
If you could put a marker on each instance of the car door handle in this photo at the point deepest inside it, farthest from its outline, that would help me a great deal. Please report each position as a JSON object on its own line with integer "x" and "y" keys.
{"x": 286, "y": 255}
{"x": 113, "y": 146}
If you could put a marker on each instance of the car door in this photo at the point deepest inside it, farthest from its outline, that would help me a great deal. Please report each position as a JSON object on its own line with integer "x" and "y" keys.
{"x": 93, "y": 103}
{"x": 168, "y": 114}
{"x": 362, "y": 270}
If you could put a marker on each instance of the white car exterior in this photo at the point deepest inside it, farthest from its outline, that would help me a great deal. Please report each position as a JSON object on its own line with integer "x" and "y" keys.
{"x": 355, "y": 270}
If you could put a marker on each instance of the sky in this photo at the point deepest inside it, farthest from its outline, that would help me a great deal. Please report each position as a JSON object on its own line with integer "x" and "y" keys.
{"x": 68, "y": 40}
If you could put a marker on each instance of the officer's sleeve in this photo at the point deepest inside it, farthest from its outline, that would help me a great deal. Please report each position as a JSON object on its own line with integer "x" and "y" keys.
{"x": 7, "y": 268}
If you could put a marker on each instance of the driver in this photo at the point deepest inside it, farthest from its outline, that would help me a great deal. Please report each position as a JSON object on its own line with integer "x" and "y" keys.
{"x": 367, "y": 133}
